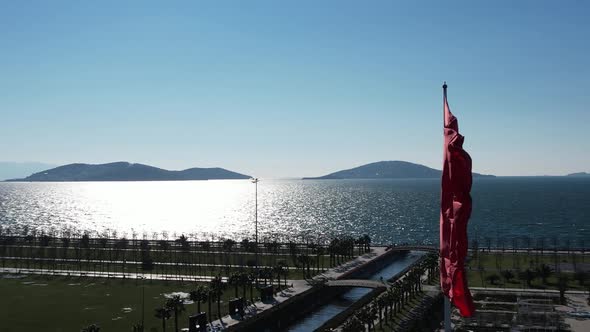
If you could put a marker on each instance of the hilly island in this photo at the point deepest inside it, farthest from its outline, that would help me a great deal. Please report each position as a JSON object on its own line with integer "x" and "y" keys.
{"x": 387, "y": 170}
{"x": 124, "y": 171}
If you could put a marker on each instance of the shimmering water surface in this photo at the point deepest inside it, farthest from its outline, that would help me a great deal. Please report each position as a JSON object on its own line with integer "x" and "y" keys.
{"x": 388, "y": 210}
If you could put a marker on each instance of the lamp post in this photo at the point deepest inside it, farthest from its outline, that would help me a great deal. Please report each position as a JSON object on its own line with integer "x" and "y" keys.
{"x": 255, "y": 181}
{"x": 142, "y": 303}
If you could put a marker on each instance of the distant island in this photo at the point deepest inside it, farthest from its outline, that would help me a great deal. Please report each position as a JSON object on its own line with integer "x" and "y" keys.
{"x": 579, "y": 174}
{"x": 124, "y": 171}
{"x": 388, "y": 170}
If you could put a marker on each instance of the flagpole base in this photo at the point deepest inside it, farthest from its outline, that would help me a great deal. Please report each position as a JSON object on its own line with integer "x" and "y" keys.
{"x": 447, "y": 315}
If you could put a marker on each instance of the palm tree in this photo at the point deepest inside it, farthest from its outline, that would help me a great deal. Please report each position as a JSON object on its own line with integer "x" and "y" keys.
{"x": 198, "y": 295}
{"x": 400, "y": 297}
{"x": 528, "y": 276}
{"x": 394, "y": 299}
{"x": 408, "y": 288}
{"x": 210, "y": 297}
{"x": 419, "y": 272}
{"x": 235, "y": 280}
{"x": 493, "y": 278}
{"x": 268, "y": 274}
{"x": 305, "y": 261}
{"x": 367, "y": 242}
{"x": 372, "y": 315}
{"x": 218, "y": 286}
{"x": 177, "y": 305}
{"x": 183, "y": 241}
{"x": 320, "y": 255}
{"x": 391, "y": 301}
{"x": 562, "y": 287}
{"x": 365, "y": 317}
{"x": 581, "y": 276}
{"x": 84, "y": 243}
{"x": 507, "y": 275}
{"x": 247, "y": 246}
{"x": 353, "y": 325}
{"x": 433, "y": 261}
{"x": 279, "y": 270}
{"x": 228, "y": 247}
{"x": 244, "y": 281}
{"x": 359, "y": 242}
{"x": 91, "y": 328}
{"x": 120, "y": 247}
{"x": 163, "y": 246}
{"x": 163, "y": 314}
{"x": 544, "y": 271}
{"x": 381, "y": 303}
{"x": 251, "y": 280}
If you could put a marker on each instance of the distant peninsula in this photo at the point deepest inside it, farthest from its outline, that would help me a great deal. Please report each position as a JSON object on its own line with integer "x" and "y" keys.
{"x": 124, "y": 171}
{"x": 579, "y": 175}
{"x": 388, "y": 170}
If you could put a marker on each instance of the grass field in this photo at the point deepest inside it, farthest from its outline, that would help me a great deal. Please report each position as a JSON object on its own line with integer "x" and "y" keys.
{"x": 196, "y": 263}
{"x": 487, "y": 264}
{"x": 69, "y": 304}
{"x": 56, "y": 304}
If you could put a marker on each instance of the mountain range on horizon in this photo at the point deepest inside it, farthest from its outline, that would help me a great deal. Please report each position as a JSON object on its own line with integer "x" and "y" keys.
{"x": 125, "y": 171}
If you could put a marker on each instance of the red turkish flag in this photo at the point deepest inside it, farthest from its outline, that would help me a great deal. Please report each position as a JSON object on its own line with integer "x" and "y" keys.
{"x": 455, "y": 210}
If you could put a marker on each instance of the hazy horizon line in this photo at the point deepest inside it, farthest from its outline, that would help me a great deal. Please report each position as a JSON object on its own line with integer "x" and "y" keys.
{"x": 289, "y": 177}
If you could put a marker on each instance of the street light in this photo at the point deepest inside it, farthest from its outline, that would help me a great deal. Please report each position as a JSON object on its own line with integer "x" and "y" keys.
{"x": 255, "y": 181}
{"x": 142, "y": 302}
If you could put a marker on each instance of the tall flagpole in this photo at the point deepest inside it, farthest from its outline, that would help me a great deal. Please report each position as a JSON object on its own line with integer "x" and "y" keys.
{"x": 447, "y": 301}
{"x": 447, "y": 315}
{"x": 255, "y": 181}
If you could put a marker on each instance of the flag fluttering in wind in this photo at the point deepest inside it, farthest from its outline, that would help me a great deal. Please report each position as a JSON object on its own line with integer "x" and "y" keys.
{"x": 455, "y": 210}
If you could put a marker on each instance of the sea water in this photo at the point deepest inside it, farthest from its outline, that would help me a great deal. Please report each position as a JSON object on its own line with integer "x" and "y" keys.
{"x": 389, "y": 211}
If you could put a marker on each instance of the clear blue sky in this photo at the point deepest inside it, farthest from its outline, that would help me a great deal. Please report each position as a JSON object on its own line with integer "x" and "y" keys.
{"x": 295, "y": 88}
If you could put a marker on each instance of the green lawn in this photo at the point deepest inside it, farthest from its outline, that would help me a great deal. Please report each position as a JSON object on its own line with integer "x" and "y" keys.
{"x": 62, "y": 304}
{"x": 509, "y": 260}
{"x": 478, "y": 269}
{"x": 212, "y": 257}
{"x": 203, "y": 263}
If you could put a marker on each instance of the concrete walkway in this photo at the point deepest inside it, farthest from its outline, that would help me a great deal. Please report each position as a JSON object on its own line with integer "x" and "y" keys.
{"x": 524, "y": 290}
{"x": 112, "y": 275}
{"x": 577, "y": 312}
{"x": 356, "y": 283}
{"x": 130, "y": 262}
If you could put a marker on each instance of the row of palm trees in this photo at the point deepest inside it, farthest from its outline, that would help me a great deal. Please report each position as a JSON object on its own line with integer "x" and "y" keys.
{"x": 82, "y": 253}
{"x": 72, "y": 239}
{"x": 174, "y": 306}
{"x": 213, "y": 291}
{"x": 342, "y": 249}
{"x": 395, "y": 298}
{"x": 528, "y": 243}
